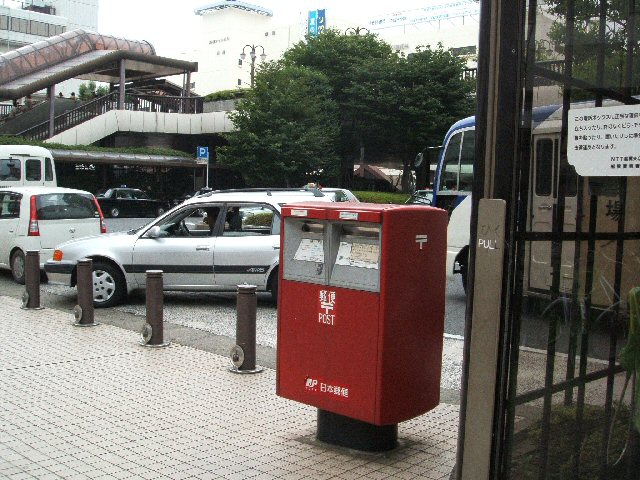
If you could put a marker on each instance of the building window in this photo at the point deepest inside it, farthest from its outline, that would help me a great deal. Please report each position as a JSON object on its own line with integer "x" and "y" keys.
{"x": 239, "y": 82}
{"x": 273, "y": 32}
{"x": 266, "y": 34}
{"x": 239, "y": 62}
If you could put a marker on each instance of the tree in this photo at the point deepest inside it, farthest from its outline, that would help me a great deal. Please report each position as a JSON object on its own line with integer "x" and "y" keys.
{"x": 346, "y": 98}
{"x": 88, "y": 91}
{"x": 346, "y": 60}
{"x": 287, "y": 129}
{"x": 620, "y": 26}
{"x": 389, "y": 106}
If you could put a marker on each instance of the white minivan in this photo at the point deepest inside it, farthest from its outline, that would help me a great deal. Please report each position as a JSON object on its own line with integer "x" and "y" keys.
{"x": 26, "y": 165}
{"x": 39, "y": 218}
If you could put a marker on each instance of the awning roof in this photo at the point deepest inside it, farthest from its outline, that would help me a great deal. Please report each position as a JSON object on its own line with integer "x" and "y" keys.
{"x": 85, "y": 55}
{"x": 224, "y": 4}
{"x": 77, "y": 156}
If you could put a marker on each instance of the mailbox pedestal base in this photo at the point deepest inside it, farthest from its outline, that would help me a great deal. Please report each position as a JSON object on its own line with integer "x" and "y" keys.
{"x": 350, "y": 433}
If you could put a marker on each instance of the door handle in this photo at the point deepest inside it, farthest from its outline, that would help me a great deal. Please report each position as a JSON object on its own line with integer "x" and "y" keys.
{"x": 203, "y": 248}
{"x": 545, "y": 206}
{"x": 276, "y": 248}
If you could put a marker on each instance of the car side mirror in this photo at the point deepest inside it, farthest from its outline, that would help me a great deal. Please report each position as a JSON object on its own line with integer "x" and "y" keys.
{"x": 153, "y": 232}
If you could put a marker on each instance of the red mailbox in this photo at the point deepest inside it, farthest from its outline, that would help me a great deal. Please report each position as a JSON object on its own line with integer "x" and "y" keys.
{"x": 361, "y": 309}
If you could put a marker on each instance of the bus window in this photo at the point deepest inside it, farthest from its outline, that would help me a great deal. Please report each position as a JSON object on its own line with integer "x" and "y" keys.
{"x": 450, "y": 168}
{"x": 571, "y": 186}
{"x": 544, "y": 167}
{"x": 32, "y": 168}
{"x": 467, "y": 157}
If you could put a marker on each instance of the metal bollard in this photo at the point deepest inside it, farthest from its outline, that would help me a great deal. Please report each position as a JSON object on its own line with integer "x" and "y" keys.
{"x": 83, "y": 311}
{"x": 31, "y": 295}
{"x": 243, "y": 354}
{"x": 153, "y": 330}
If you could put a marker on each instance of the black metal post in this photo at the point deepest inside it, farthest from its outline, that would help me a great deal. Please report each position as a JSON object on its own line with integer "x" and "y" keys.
{"x": 153, "y": 331}
{"x": 84, "y": 311}
{"x": 243, "y": 354}
{"x": 31, "y": 296}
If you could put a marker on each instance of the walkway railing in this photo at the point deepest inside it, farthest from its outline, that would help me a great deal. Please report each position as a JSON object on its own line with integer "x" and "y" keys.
{"x": 101, "y": 105}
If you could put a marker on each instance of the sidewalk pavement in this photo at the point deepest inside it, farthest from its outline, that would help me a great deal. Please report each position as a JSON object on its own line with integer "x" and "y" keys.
{"x": 91, "y": 403}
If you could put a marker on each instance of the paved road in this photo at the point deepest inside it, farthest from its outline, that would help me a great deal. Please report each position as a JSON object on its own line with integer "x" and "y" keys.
{"x": 215, "y": 313}
{"x": 455, "y": 306}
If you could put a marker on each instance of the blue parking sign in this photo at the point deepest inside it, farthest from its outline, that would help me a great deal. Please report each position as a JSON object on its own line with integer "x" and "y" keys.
{"x": 203, "y": 152}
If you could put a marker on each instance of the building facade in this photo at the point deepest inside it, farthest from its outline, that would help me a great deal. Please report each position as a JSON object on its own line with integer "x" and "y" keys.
{"x": 231, "y": 27}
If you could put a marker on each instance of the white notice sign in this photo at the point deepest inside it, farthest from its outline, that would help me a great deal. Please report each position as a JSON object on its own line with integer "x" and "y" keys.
{"x": 605, "y": 141}
{"x": 360, "y": 255}
{"x": 310, "y": 250}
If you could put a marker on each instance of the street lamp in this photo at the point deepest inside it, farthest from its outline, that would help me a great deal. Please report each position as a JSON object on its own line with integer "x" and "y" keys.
{"x": 252, "y": 55}
{"x": 356, "y": 31}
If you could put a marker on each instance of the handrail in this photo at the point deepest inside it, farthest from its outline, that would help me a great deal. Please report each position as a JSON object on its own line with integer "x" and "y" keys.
{"x": 106, "y": 103}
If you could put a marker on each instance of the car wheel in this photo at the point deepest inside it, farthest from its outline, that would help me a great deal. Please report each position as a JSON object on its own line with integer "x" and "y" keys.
{"x": 114, "y": 212}
{"x": 274, "y": 286}
{"x": 159, "y": 211}
{"x": 109, "y": 286}
{"x": 17, "y": 266}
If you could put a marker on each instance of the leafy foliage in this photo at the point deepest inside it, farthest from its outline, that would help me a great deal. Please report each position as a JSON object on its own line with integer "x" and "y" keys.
{"x": 588, "y": 40}
{"x": 225, "y": 95}
{"x": 383, "y": 107}
{"x": 88, "y": 91}
{"x": 287, "y": 129}
{"x": 14, "y": 140}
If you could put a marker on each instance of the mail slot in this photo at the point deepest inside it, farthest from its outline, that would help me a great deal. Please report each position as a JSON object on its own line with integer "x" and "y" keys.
{"x": 361, "y": 309}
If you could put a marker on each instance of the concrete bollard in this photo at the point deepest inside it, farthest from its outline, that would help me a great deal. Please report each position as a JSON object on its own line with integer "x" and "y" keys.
{"x": 153, "y": 330}
{"x": 31, "y": 295}
{"x": 84, "y": 311}
{"x": 243, "y": 354}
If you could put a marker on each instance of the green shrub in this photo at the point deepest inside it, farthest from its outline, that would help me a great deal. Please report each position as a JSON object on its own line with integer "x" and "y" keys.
{"x": 224, "y": 95}
{"x": 381, "y": 197}
{"x": 15, "y": 140}
{"x": 262, "y": 219}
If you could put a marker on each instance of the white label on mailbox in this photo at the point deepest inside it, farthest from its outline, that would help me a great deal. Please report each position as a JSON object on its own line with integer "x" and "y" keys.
{"x": 296, "y": 212}
{"x": 318, "y": 385}
{"x": 348, "y": 216}
{"x": 327, "y": 304}
{"x": 359, "y": 255}
{"x": 310, "y": 250}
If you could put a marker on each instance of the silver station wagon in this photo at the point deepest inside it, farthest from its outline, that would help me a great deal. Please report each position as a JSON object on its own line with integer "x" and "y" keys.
{"x": 208, "y": 243}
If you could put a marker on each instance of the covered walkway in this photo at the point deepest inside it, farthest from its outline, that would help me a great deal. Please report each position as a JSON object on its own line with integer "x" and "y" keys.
{"x": 90, "y": 56}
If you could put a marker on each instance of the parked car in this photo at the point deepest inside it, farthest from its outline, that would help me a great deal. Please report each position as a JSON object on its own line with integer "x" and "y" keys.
{"x": 237, "y": 240}
{"x": 337, "y": 194}
{"x": 39, "y": 218}
{"x": 187, "y": 196}
{"x": 421, "y": 197}
{"x": 130, "y": 202}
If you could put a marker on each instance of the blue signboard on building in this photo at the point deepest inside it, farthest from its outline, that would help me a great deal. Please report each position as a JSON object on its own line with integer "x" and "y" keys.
{"x": 322, "y": 21}
{"x": 317, "y": 22}
{"x": 312, "y": 29}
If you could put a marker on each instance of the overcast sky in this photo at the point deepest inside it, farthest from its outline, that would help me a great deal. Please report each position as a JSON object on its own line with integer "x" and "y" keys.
{"x": 170, "y": 26}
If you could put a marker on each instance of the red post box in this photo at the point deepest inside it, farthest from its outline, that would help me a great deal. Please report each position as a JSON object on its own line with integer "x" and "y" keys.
{"x": 361, "y": 309}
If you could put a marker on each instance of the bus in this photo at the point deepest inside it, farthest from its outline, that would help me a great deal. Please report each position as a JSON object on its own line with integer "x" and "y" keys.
{"x": 452, "y": 191}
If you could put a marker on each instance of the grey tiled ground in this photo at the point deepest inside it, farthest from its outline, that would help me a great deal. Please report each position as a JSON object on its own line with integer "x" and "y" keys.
{"x": 90, "y": 403}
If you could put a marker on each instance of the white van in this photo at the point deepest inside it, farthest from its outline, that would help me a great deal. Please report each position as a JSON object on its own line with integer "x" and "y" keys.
{"x": 26, "y": 165}
{"x": 39, "y": 218}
